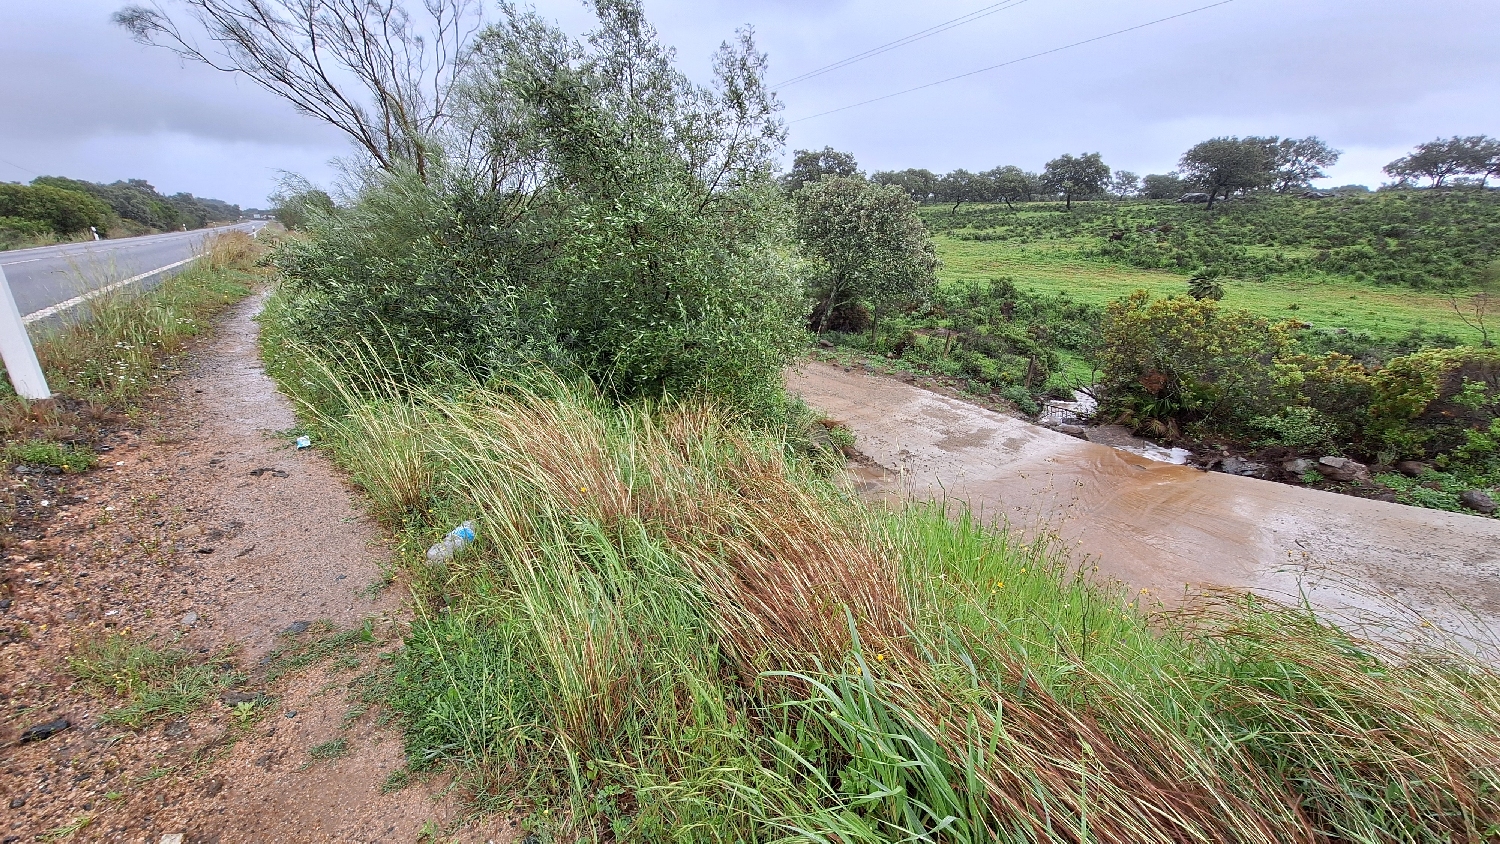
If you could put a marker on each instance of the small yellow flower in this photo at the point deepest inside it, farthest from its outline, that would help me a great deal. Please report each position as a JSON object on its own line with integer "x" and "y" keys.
{"x": 880, "y": 657}
{"x": 583, "y": 489}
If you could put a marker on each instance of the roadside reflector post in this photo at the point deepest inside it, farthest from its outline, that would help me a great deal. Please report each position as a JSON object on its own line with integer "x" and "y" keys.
{"x": 15, "y": 349}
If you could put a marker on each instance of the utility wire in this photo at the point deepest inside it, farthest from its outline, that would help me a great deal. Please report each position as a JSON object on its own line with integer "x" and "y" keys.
{"x": 1016, "y": 61}
{"x": 19, "y": 167}
{"x": 902, "y": 42}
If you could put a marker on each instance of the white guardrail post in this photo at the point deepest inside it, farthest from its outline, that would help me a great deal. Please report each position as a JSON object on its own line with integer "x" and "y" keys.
{"x": 15, "y": 349}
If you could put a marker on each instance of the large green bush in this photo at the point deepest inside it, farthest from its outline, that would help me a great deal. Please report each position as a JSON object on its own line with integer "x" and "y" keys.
{"x": 63, "y": 211}
{"x": 1167, "y": 363}
{"x": 603, "y": 215}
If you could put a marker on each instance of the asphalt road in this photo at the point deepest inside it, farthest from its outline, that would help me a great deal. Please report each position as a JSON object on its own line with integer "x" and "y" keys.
{"x": 47, "y": 276}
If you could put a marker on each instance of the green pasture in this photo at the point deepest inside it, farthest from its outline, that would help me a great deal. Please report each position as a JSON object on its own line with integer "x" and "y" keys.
{"x": 1325, "y": 302}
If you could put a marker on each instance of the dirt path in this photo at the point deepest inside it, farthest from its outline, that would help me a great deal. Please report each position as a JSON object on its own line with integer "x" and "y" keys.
{"x": 1171, "y": 529}
{"x": 213, "y": 533}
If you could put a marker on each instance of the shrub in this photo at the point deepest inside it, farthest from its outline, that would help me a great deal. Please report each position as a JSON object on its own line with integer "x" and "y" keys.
{"x": 1436, "y": 403}
{"x": 63, "y": 211}
{"x": 1299, "y": 427}
{"x": 1170, "y": 362}
{"x": 633, "y": 234}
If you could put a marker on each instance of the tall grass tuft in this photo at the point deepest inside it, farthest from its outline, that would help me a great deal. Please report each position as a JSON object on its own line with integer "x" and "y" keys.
{"x": 671, "y": 625}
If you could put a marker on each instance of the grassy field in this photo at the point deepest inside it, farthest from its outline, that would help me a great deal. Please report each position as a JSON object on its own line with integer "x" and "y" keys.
{"x": 1329, "y": 302}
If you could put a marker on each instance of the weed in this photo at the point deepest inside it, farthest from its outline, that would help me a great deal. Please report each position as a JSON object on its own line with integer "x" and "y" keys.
{"x": 299, "y": 654}
{"x": 65, "y": 456}
{"x": 396, "y": 780}
{"x": 68, "y": 830}
{"x": 154, "y": 683}
{"x": 331, "y": 749}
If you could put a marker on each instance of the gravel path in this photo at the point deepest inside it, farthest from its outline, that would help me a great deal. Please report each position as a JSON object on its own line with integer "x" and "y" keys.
{"x": 206, "y": 530}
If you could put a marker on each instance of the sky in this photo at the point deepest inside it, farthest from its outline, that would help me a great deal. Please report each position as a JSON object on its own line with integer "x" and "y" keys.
{"x": 1371, "y": 77}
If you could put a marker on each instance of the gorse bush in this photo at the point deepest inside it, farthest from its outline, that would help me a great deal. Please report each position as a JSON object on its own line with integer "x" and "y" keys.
{"x": 607, "y": 216}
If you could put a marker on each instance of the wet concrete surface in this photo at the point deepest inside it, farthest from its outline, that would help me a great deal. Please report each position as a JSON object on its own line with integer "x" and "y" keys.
{"x": 1388, "y": 569}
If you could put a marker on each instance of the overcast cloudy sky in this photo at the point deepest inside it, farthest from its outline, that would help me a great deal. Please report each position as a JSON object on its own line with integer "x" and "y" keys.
{"x": 1371, "y": 77}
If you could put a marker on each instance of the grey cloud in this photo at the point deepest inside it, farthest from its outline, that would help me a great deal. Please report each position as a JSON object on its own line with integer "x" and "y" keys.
{"x": 1373, "y": 77}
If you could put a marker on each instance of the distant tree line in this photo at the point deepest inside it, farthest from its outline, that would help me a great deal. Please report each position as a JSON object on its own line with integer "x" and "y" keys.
{"x": 53, "y": 206}
{"x": 137, "y": 201}
{"x": 1208, "y": 172}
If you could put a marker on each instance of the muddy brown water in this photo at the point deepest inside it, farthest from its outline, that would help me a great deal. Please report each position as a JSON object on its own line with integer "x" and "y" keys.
{"x": 1388, "y": 569}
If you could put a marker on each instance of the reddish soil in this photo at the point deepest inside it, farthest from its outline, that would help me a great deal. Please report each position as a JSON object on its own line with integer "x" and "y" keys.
{"x": 204, "y": 529}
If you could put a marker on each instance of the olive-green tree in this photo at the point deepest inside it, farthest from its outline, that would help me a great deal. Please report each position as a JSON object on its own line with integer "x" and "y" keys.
{"x": 595, "y": 210}
{"x": 1084, "y": 175}
{"x": 811, "y": 165}
{"x": 868, "y": 246}
{"x": 1224, "y": 165}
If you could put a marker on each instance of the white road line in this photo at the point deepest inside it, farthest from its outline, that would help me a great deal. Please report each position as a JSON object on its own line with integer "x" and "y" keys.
{"x": 9, "y": 263}
{"x": 79, "y": 300}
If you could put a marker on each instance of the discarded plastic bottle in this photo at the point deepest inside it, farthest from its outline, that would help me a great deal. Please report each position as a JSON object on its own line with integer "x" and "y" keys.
{"x": 304, "y": 442}
{"x": 457, "y": 539}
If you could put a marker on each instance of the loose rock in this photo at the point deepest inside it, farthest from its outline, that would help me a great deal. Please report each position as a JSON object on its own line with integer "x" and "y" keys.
{"x": 1300, "y": 466}
{"x": 296, "y": 628}
{"x": 1412, "y": 468}
{"x": 233, "y": 699}
{"x": 189, "y": 619}
{"x": 1342, "y": 469}
{"x": 1240, "y": 466}
{"x": 1477, "y": 500}
{"x": 44, "y": 731}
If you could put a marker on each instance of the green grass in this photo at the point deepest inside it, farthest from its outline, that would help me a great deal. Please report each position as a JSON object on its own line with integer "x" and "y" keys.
{"x": 1327, "y": 302}
{"x": 152, "y": 683}
{"x": 114, "y": 355}
{"x": 331, "y": 749}
{"x": 65, "y": 456}
{"x": 297, "y": 652}
{"x": 671, "y": 628}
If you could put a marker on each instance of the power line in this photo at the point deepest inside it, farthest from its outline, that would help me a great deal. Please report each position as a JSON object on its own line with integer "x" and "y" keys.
{"x": 902, "y": 42}
{"x": 1016, "y": 61}
{"x": 19, "y": 167}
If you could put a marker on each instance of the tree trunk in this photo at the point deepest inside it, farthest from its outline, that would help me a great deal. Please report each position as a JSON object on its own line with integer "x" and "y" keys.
{"x": 1068, "y": 200}
{"x": 827, "y": 309}
{"x": 1213, "y": 194}
{"x": 874, "y": 324}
